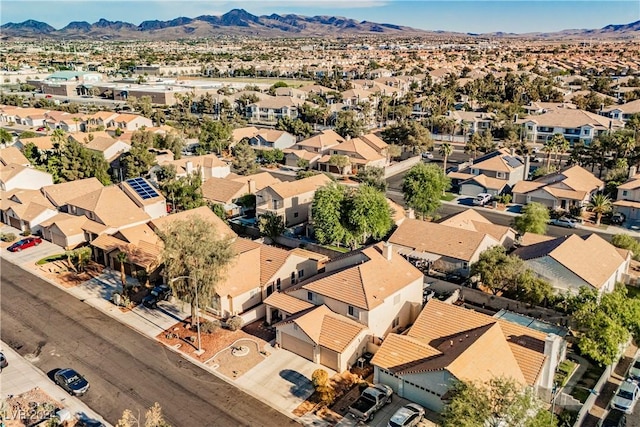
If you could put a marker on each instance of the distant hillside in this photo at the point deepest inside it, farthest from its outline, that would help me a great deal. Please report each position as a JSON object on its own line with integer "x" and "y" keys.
{"x": 239, "y": 22}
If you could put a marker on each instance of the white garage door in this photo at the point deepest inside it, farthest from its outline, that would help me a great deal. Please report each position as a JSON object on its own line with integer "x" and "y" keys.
{"x": 329, "y": 358}
{"x": 471, "y": 189}
{"x": 422, "y": 396}
{"x": 297, "y": 346}
{"x": 58, "y": 239}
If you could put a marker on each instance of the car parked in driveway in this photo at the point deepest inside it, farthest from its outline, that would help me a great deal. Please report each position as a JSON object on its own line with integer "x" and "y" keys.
{"x": 157, "y": 294}
{"x": 626, "y": 397}
{"x": 407, "y": 416}
{"x": 634, "y": 370}
{"x": 482, "y": 199}
{"x": 3, "y": 362}
{"x": 614, "y": 418}
{"x": 564, "y": 222}
{"x": 24, "y": 244}
{"x": 71, "y": 381}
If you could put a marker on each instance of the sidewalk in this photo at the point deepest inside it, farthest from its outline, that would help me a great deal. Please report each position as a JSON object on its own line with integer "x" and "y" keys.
{"x": 21, "y": 376}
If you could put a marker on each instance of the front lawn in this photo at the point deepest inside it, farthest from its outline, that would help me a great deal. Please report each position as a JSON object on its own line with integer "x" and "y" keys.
{"x": 52, "y": 258}
{"x": 447, "y": 197}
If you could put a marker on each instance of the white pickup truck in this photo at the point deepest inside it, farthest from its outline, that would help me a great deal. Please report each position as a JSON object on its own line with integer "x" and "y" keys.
{"x": 370, "y": 401}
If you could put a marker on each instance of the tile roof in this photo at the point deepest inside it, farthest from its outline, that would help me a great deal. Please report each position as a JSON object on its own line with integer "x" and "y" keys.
{"x": 42, "y": 142}
{"x": 359, "y": 148}
{"x": 293, "y": 188}
{"x": 571, "y": 118}
{"x": 287, "y": 303}
{"x": 13, "y": 155}
{"x": 27, "y": 204}
{"x": 590, "y": 257}
{"x": 101, "y": 143}
{"x": 498, "y": 161}
{"x": 470, "y": 345}
{"x": 365, "y": 285}
{"x": 631, "y": 184}
{"x": 271, "y": 260}
{"x": 439, "y": 239}
{"x": 325, "y": 139}
{"x": 222, "y": 190}
{"x": 472, "y": 220}
{"x": 243, "y": 273}
{"x": 488, "y": 182}
{"x": 532, "y": 238}
{"x": 205, "y": 161}
{"x": 245, "y": 132}
{"x": 111, "y": 206}
{"x": 202, "y": 212}
{"x": 72, "y": 225}
{"x": 261, "y": 179}
{"x": 61, "y": 193}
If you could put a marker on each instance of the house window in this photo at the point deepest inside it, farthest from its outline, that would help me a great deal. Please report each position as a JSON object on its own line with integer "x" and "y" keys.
{"x": 295, "y": 214}
{"x": 500, "y": 175}
{"x": 278, "y": 282}
{"x": 353, "y": 312}
{"x": 396, "y": 300}
{"x": 475, "y": 171}
{"x": 293, "y": 277}
{"x": 624, "y": 193}
{"x": 465, "y": 265}
{"x": 310, "y": 297}
{"x": 300, "y": 273}
{"x": 396, "y": 322}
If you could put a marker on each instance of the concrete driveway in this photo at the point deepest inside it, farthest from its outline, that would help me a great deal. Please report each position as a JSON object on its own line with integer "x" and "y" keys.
{"x": 382, "y": 417}
{"x": 29, "y": 255}
{"x": 283, "y": 379}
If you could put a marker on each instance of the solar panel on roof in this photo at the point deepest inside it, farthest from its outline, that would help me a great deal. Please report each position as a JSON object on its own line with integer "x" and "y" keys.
{"x": 142, "y": 188}
{"x": 512, "y": 161}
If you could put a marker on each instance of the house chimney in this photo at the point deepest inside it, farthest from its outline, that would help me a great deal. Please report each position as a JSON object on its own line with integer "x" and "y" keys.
{"x": 387, "y": 250}
{"x": 512, "y": 152}
{"x": 188, "y": 166}
{"x": 633, "y": 170}
{"x": 252, "y": 186}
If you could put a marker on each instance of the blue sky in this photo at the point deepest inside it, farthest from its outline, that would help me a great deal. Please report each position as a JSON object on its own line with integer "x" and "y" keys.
{"x": 476, "y": 16}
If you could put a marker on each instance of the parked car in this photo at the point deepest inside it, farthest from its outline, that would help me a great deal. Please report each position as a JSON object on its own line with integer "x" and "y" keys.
{"x": 564, "y": 222}
{"x": 24, "y": 244}
{"x": 482, "y": 199}
{"x": 615, "y": 418}
{"x": 157, "y": 294}
{"x": 370, "y": 401}
{"x": 626, "y": 397}
{"x": 407, "y": 416}
{"x": 634, "y": 370}
{"x": 41, "y": 129}
{"x": 71, "y": 381}
{"x": 3, "y": 362}
{"x": 618, "y": 218}
{"x": 427, "y": 155}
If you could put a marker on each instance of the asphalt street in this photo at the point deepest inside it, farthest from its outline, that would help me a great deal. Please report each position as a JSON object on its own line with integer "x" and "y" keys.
{"x": 126, "y": 370}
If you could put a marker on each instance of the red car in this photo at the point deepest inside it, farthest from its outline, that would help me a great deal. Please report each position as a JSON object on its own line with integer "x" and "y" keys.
{"x": 41, "y": 128}
{"x": 48, "y": 96}
{"x": 24, "y": 244}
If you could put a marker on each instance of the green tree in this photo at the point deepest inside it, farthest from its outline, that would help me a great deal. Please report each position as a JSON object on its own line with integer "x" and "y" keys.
{"x": 600, "y": 204}
{"x": 340, "y": 161}
{"x": 627, "y": 242}
{"x": 137, "y": 161}
{"x": 215, "y": 136}
{"x": 495, "y": 403}
{"x": 422, "y": 187}
{"x": 244, "y": 159}
{"x": 373, "y": 176}
{"x": 272, "y": 156}
{"x": 411, "y": 135}
{"x": 534, "y": 219}
{"x": 271, "y": 225}
{"x": 445, "y": 151}
{"x": 347, "y": 124}
{"x": 498, "y": 271}
{"x": 194, "y": 249}
{"x": 295, "y": 127}
{"x": 368, "y": 214}
{"x": 530, "y": 288}
{"x": 184, "y": 192}
{"x": 327, "y": 215}
{"x": 5, "y": 136}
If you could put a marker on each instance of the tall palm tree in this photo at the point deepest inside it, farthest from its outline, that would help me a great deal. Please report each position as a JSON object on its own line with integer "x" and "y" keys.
{"x": 122, "y": 258}
{"x": 445, "y": 151}
{"x": 561, "y": 146}
{"x": 600, "y": 204}
{"x": 548, "y": 148}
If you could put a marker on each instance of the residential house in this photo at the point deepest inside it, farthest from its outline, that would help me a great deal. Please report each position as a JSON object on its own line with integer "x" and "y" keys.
{"x": 60, "y": 194}
{"x": 42, "y": 143}
{"x": 323, "y": 337}
{"x": 227, "y": 191}
{"x": 446, "y": 248}
{"x": 360, "y": 154}
{"x": 70, "y": 231}
{"x": 110, "y": 148}
{"x": 573, "y": 261}
{"x": 569, "y": 187}
{"x": 321, "y": 142}
{"x": 32, "y": 117}
{"x": 131, "y": 122}
{"x": 471, "y": 122}
{"x": 299, "y": 158}
{"x": 66, "y": 121}
{"x": 577, "y": 126}
{"x": 494, "y": 173}
{"x": 628, "y": 197}
{"x": 256, "y": 272}
{"x": 13, "y": 155}
{"x": 145, "y": 196}
{"x": 270, "y": 138}
{"x": 274, "y": 108}
{"x": 208, "y": 166}
{"x": 622, "y": 112}
{"x": 374, "y": 286}
{"x": 291, "y": 200}
{"x": 472, "y": 220}
{"x": 448, "y": 343}
{"x": 25, "y": 209}
{"x": 161, "y": 224}
{"x": 101, "y": 120}
{"x": 247, "y": 132}
{"x": 14, "y": 176}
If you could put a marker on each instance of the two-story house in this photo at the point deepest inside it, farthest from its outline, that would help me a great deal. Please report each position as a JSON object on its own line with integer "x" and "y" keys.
{"x": 273, "y": 108}
{"x": 622, "y": 112}
{"x": 321, "y": 142}
{"x": 267, "y": 139}
{"x": 628, "y": 197}
{"x": 359, "y": 153}
{"x": 291, "y": 200}
{"x": 208, "y": 166}
{"x": 227, "y": 191}
{"x": 494, "y": 173}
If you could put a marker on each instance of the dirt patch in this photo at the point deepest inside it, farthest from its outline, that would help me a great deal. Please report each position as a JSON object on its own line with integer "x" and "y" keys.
{"x": 235, "y": 366}
{"x": 62, "y": 274}
{"x": 212, "y": 343}
{"x": 30, "y": 407}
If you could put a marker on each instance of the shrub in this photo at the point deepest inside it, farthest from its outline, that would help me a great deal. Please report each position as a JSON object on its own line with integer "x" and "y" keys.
{"x": 234, "y": 323}
{"x": 209, "y": 326}
{"x": 7, "y": 237}
{"x": 26, "y": 233}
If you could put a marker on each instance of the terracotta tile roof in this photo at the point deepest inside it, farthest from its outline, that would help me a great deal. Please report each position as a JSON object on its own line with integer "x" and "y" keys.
{"x": 287, "y": 303}
{"x": 72, "y": 225}
{"x": 631, "y": 184}
{"x": 562, "y": 193}
{"x": 532, "y": 238}
{"x": 470, "y": 345}
{"x": 627, "y": 203}
{"x": 271, "y": 260}
{"x": 590, "y": 257}
{"x": 42, "y": 142}
{"x": 489, "y": 183}
{"x": 13, "y": 155}
{"x": 439, "y": 239}
{"x": 261, "y": 179}
{"x": 580, "y": 179}
{"x": 365, "y": 285}
{"x": 205, "y": 161}
{"x": 302, "y": 154}
{"x": 101, "y": 143}
{"x": 140, "y": 233}
{"x": 325, "y": 139}
{"x": 246, "y": 132}
{"x": 523, "y": 187}
{"x": 83, "y": 137}
{"x": 359, "y": 148}
{"x": 243, "y": 273}
{"x": 293, "y": 188}
{"x": 571, "y": 118}
{"x": 472, "y": 220}
{"x": 632, "y": 107}
{"x": 142, "y": 254}
{"x": 61, "y": 193}
{"x": 20, "y": 198}
{"x": 111, "y": 206}
{"x": 498, "y": 161}
{"x": 374, "y": 141}
{"x": 203, "y": 212}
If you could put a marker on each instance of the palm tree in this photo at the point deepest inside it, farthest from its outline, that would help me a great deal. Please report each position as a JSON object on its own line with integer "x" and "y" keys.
{"x": 560, "y": 145}
{"x": 548, "y": 148}
{"x": 122, "y": 258}
{"x": 600, "y": 204}
{"x": 445, "y": 151}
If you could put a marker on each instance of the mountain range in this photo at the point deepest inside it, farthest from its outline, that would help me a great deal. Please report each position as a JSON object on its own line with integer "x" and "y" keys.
{"x": 239, "y": 22}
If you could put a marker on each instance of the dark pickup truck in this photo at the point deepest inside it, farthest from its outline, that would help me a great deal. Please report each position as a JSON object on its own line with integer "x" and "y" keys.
{"x": 370, "y": 401}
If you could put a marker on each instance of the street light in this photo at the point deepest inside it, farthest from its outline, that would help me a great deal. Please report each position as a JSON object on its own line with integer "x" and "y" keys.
{"x": 199, "y": 351}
